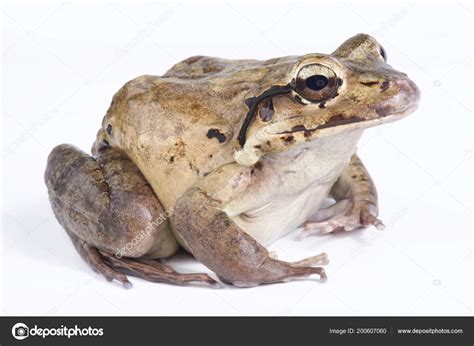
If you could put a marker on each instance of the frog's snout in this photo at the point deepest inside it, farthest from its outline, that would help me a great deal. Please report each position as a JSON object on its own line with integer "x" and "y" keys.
{"x": 409, "y": 91}
{"x": 408, "y": 96}
{"x": 403, "y": 99}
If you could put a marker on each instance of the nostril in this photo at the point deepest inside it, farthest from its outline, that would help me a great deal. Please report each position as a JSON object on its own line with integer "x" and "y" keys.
{"x": 408, "y": 87}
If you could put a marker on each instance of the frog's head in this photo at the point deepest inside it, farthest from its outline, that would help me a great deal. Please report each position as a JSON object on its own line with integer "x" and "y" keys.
{"x": 322, "y": 95}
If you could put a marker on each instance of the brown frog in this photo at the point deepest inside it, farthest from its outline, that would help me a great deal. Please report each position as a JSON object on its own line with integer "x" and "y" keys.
{"x": 221, "y": 157}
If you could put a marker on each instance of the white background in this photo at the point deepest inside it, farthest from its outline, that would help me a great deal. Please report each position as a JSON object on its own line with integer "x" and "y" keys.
{"x": 62, "y": 63}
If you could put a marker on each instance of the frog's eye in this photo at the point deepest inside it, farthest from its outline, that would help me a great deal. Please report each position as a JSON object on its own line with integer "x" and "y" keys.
{"x": 383, "y": 53}
{"x": 316, "y": 83}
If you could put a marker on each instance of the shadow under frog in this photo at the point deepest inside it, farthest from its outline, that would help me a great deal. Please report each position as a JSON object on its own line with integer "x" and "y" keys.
{"x": 235, "y": 154}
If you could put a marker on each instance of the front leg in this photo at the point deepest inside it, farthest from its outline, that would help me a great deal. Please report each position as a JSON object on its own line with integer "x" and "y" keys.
{"x": 356, "y": 203}
{"x": 217, "y": 242}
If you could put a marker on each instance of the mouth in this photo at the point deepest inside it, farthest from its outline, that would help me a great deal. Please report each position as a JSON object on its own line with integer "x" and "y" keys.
{"x": 352, "y": 122}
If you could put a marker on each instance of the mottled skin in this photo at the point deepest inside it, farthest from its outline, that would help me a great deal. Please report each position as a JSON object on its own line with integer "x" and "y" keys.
{"x": 238, "y": 152}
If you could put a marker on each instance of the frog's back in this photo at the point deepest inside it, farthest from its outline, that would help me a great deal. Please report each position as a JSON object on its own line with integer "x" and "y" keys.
{"x": 169, "y": 130}
{"x": 183, "y": 125}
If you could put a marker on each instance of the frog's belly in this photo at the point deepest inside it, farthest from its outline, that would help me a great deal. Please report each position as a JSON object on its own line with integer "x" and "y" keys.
{"x": 283, "y": 214}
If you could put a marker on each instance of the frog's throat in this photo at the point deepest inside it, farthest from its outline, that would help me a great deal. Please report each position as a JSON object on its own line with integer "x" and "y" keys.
{"x": 253, "y": 102}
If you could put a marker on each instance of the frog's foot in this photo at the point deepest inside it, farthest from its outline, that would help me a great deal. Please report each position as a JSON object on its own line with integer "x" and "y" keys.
{"x": 95, "y": 260}
{"x": 155, "y": 271}
{"x": 321, "y": 259}
{"x": 114, "y": 268}
{"x": 344, "y": 215}
{"x": 273, "y": 270}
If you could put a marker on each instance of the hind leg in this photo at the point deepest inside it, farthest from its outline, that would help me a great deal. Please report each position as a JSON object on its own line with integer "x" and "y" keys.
{"x": 112, "y": 215}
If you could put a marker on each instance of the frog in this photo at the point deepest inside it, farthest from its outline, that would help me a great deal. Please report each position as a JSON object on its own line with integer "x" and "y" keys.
{"x": 219, "y": 158}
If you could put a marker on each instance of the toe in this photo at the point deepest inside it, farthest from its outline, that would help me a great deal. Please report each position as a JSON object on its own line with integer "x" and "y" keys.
{"x": 321, "y": 259}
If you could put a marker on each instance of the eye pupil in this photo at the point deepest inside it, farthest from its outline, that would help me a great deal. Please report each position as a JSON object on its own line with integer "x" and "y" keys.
{"x": 317, "y": 82}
